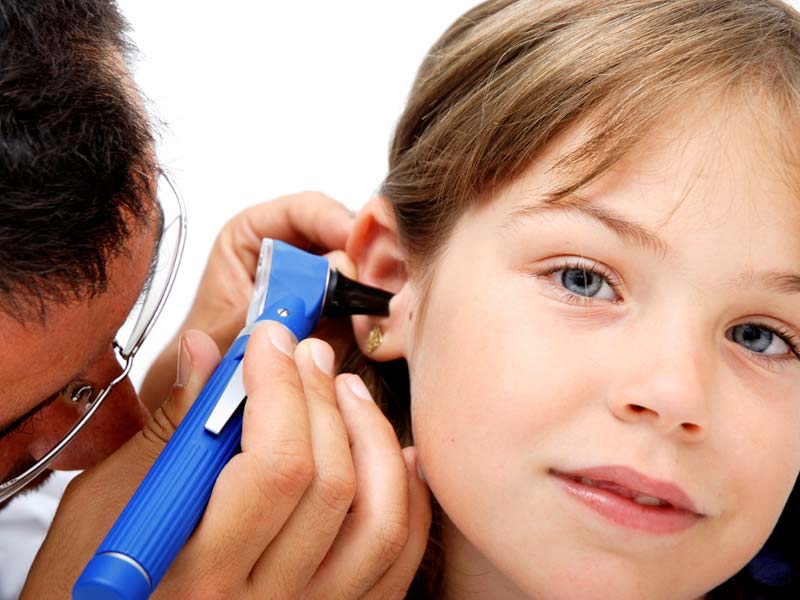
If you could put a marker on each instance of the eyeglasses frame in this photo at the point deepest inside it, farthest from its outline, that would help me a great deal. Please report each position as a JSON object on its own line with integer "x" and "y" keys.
{"x": 13, "y": 486}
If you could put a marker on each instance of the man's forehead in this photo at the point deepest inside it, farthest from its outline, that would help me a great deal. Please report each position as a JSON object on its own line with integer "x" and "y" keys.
{"x": 38, "y": 358}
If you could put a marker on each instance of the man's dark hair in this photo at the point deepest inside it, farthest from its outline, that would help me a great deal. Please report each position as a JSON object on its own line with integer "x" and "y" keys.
{"x": 75, "y": 150}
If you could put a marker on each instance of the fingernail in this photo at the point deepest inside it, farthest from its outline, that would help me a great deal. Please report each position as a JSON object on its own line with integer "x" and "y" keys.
{"x": 322, "y": 354}
{"x": 412, "y": 461}
{"x": 420, "y": 474}
{"x": 281, "y": 338}
{"x": 358, "y": 388}
{"x": 184, "y": 363}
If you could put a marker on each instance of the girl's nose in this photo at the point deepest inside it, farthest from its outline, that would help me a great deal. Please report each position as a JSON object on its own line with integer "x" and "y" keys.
{"x": 663, "y": 384}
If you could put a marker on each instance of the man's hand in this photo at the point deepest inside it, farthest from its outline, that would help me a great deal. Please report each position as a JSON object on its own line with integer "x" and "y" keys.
{"x": 320, "y": 503}
{"x": 309, "y": 220}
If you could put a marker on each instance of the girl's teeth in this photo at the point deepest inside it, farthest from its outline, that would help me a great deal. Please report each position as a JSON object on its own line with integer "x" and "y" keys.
{"x": 640, "y": 499}
{"x": 649, "y": 501}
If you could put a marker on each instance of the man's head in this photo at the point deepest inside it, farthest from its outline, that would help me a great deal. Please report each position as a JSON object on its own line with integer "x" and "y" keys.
{"x": 75, "y": 150}
{"x": 78, "y": 218}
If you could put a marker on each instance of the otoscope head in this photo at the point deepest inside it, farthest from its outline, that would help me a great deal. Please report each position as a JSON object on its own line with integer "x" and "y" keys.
{"x": 286, "y": 272}
{"x": 345, "y": 296}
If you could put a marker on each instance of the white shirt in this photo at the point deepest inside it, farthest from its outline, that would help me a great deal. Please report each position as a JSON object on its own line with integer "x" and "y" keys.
{"x": 23, "y": 525}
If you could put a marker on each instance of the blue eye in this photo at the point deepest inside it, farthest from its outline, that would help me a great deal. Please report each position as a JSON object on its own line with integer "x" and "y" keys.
{"x": 583, "y": 282}
{"x": 754, "y": 338}
{"x": 760, "y": 339}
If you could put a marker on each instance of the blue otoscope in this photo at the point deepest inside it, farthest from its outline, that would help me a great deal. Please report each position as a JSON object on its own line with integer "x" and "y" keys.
{"x": 292, "y": 287}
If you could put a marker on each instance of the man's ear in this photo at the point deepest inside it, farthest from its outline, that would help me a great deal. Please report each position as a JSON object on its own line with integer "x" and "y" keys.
{"x": 373, "y": 246}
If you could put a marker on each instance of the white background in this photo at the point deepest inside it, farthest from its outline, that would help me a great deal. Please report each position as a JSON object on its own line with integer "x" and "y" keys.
{"x": 267, "y": 98}
{"x": 263, "y": 99}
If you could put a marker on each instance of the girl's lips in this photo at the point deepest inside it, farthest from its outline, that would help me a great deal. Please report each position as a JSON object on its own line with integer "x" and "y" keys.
{"x": 631, "y": 499}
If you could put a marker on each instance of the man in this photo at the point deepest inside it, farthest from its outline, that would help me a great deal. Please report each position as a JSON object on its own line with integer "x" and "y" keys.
{"x": 82, "y": 230}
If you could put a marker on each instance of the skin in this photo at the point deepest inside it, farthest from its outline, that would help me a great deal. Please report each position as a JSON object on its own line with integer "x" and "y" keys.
{"x": 321, "y": 497}
{"x": 75, "y": 343}
{"x": 308, "y": 220}
{"x": 646, "y": 376}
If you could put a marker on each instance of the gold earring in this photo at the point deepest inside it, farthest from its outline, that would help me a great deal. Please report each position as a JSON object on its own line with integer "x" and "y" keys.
{"x": 374, "y": 339}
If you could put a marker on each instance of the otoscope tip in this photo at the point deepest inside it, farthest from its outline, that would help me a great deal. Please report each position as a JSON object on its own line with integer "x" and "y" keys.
{"x": 346, "y": 296}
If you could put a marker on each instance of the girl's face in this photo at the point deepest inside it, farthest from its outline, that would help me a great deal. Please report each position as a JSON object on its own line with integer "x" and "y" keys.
{"x": 639, "y": 337}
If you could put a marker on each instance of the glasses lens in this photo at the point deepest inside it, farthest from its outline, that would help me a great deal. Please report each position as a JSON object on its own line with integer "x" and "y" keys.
{"x": 142, "y": 317}
{"x": 33, "y": 437}
{"x": 33, "y": 440}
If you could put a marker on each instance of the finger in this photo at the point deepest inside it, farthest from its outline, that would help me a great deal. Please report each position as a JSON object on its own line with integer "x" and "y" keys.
{"x": 299, "y": 548}
{"x": 320, "y": 219}
{"x": 99, "y": 494}
{"x": 397, "y": 580}
{"x": 340, "y": 260}
{"x": 305, "y": 220}
{"x": 260, "y": 487}
{"x": 198, "y": 356}
{"x": 376, "y": 530}
{"x": 338, "y": 332}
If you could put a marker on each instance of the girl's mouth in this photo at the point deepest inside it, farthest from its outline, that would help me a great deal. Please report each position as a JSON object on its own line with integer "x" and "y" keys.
{"x": 628, "y": 498}
{"x": 638, "y": 497}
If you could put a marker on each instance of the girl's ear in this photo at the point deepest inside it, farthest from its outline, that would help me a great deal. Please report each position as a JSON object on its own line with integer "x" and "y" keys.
{"x": 373, "y": 246}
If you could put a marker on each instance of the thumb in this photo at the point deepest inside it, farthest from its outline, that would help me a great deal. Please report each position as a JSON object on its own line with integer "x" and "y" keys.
{"x": 340, "y": 260}
{"x": 99, "y": 493}
{"x": 198, "y": 356}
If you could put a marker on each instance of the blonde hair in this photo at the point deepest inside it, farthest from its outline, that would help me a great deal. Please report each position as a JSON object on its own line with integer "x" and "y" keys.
{"x": 510, "y": 76}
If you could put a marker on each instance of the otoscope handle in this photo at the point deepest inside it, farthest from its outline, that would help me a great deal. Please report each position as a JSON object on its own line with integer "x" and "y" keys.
{"x": 169, "y": 503}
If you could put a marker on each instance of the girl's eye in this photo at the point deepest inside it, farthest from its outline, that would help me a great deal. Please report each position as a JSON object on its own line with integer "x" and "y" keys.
{"x": 583, "y": 283}
{"x": 764, "y": 340}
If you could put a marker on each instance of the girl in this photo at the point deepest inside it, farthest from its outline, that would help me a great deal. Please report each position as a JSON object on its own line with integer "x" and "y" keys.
{"x": 590, "y": 224}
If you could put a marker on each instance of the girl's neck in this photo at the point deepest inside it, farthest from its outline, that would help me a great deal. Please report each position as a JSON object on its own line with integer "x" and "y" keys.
{"x": 468, "y": 574}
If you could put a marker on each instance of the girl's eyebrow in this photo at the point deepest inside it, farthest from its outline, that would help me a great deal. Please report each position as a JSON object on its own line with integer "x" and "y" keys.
{"x": 621, "y": 226}
{"x": 779, "y": 282}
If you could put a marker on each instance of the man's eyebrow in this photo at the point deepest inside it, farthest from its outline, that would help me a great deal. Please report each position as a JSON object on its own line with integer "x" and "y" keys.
{"x": 779, "y": 282}
{"x": 626, "y": 229}
{"x": 6, "y": 429}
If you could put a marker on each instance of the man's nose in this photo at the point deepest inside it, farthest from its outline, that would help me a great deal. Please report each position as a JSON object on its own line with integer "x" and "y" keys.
{"x": 664, "y": 382}
{"x": 120, "y": 416}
